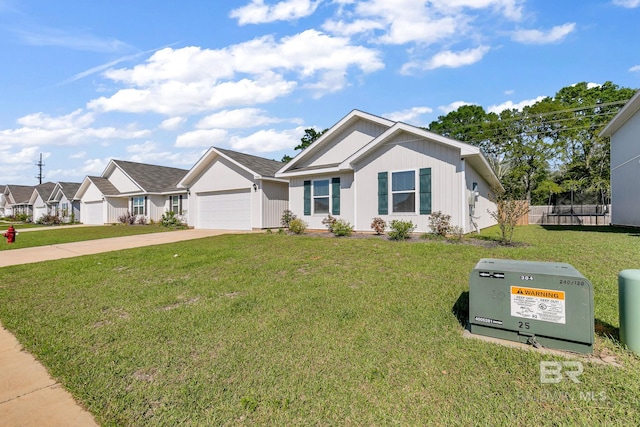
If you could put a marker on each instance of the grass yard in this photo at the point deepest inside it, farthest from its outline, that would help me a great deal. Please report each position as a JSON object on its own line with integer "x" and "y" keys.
{"x": 274, "y": 329}
{"x": 56, "y": 236}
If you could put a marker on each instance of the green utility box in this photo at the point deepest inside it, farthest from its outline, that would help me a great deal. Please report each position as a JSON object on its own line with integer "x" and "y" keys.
{"x": 540, "y": 303}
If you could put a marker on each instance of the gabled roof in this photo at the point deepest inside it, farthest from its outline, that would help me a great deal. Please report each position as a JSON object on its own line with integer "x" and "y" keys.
{"x": 43, "y": 190}
{"x": 104, "y": 185}
{"x": 346, "y": 121}
{"x": 19, "y": 194}
{"x": 259, "y": 167}
{"x": 67, "y": 189}
{"x": 469, "y": 152}
{"x": 150, "y": 178}
{"x": 630, "y": 108}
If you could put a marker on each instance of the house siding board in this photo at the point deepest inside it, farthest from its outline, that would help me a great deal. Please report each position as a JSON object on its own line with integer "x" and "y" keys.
{"x": 314, "y": 221}
{"x": 625, "y": 173}
{"x": 406, "y": 152}
{"x": 275, "y": 200}
{"x": 345, "y": 143}
{"x": 483, "y": 204}
{"x": 116, "y": 207}
{"x": 39, "y": 208}
{"x": 122, "y": 182}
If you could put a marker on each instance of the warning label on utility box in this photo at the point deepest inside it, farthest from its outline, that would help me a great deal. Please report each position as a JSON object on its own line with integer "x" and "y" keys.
{"x": 538, "y": 304}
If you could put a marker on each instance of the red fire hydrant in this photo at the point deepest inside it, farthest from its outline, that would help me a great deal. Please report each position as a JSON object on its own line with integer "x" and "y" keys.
{"x": 10, "y": 234}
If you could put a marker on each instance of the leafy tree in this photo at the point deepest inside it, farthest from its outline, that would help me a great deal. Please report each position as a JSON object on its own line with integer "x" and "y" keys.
{"x": 310, "y": 135}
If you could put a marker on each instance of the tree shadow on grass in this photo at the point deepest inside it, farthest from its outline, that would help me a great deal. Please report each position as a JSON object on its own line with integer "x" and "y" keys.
{"x": 606, "y": 330}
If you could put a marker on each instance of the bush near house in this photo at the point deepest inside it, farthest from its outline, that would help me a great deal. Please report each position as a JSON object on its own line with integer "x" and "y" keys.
{"x": 400, "y": 230}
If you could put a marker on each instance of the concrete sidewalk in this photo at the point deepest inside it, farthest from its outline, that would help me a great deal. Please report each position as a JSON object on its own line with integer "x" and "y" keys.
{"x": 28, "y": 394}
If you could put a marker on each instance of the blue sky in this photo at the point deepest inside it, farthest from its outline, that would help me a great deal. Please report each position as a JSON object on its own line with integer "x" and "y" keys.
{"x": 162, "y": 81}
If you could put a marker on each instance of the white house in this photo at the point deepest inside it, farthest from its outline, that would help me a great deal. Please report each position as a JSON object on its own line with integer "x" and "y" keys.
{"x": 62, "y": 203}
{"x": 367, "y": 166}
{"x": 624, "y": 131}
{"x": 38, "y": 200}
{"x": 235, "y": 191}
{"x": 15, "y": 200}
{"x": 135, "y": 188}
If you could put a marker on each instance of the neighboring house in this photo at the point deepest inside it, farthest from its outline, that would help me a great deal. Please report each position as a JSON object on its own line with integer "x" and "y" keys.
{"x": 624, "y": 131}
{"x": 234, "y": 191}
{"x": 367, "y": 166}
{"x": 38, "y": 200}
{"x": 62, "y": 203}
{"x": 15, "y": 200}
{"x": 140, "y": 189}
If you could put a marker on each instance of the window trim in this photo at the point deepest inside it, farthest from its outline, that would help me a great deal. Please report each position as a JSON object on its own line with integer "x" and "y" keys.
{"x": 415, "y": 191}
{"x": 139, "y": 206}
{"x": 177, "y": 199}
{"x": 314, "y": 197}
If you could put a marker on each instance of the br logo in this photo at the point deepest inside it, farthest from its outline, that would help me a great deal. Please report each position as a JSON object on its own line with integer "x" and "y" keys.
{"x": 554, "y": 372}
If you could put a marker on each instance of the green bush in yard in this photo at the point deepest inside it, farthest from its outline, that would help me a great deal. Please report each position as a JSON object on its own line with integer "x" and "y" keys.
{"x": 400, "y": 230}
{"x": 342, "y": 228}
{"x": 297, "y": 226}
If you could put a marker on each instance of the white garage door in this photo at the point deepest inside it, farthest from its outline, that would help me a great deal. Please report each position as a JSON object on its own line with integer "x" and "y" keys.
{"x": 229, "y": 210}
{"x": 91, "y": 213}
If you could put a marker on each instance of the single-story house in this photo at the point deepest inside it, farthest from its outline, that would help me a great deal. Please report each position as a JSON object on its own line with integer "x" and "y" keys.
{"x": 62, "y": 203}
{"x": 367, "y": 166}
{"x": 235, "y": 191}
{"x": 15, "y": 200}
{"x": 132, "y": 188}
{"x": 38, "y": 200}
{"x": 624, "y": 131}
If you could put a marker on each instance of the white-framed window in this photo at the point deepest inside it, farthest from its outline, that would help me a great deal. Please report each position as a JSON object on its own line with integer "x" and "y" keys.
{"x": 321, "y": 197}
{"x": 138, "y": 206}
{"x": 65, "y": 209}
{"x": 403, "y": 191}
{"x": 174, "y": 204}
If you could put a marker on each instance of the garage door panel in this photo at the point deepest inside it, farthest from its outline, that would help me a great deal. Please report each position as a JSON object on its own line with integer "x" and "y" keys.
{"x": 91, "y": 213}
{"x": 229, "y": 210}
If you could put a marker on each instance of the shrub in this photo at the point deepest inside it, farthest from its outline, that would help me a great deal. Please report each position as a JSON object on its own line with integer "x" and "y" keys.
{"x": 440, "y": 223}
{"x": 329, "y": 221}
{"x": 22, "y": 217}
{"x": 49, "y": 220}
{"x": 141, "y": 219}
{"x": 456, "y": 232}
{"x": 378, "y": 225}
{"x": 287, "y": 217}
{"x": 297, "y": 226}
{"x": 170, "y": 219}
{"x": 342, "y": 228}
{"x": 127, "y": 218}
{"x": 400, "y": 230}
{"x": 508, "y": 212}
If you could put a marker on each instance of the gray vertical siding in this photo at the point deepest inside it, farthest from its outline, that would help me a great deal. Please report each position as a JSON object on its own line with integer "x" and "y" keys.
{"x": 275, "y": 200}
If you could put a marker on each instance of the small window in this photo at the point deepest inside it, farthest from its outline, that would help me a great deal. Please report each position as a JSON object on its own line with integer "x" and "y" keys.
{"x": 403, "y": 189}
{"x": 321, "y": 196}
{"x": 138, "y": 205}
{"x": 174, "y": 201}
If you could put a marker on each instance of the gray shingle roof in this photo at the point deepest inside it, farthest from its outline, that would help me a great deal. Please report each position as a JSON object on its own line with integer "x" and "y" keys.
{"x": 263, "y": 167}
{"x": 104, "y": 185}
{"x": 152, "y": 178}
{"x": 45, "y": 189}
{"x": 21, "y": 193}
{"x": 69, "y": 189}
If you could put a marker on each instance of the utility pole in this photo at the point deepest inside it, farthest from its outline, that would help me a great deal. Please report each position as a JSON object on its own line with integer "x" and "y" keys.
{"x": 40, "y": 177}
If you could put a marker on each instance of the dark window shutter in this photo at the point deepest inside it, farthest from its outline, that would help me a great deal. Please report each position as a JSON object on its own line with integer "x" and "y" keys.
{"x": 425, "y": 191}
{"x": 307, "y": 197}
{"x": 383, "y": 193}
{"x": 335, "y": 196}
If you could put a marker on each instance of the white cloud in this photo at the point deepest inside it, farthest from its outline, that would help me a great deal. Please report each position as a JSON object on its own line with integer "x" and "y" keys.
{"x": 191, "y": 79}
{"x": 509, "y": 92}
{"x": 408, "y": 115}
{"x": 76, "y": 40}
{"x": 627, "y": 3}
{"x": 554, "y": 35}
{"x": 511, "y": 9}
{"x": 510, "y": 105}
{"x": 237, "y": 119}
{"x": 78, "y": 155}
{"x": 257, "y": 12}
{"x": 202, "y": 138}
{"x": 349, "y": 29}
{"x": 448, "y": 59}
{"x": 634, "y": 68}
{"x": 269, "y": 140}
{"x": 453, "y": 106}
{"x": 173, "y": 123}
{"x": 71, "y": 129}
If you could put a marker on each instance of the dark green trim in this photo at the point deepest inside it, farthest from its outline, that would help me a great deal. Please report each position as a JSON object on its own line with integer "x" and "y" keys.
{"x": 383, "y": 193}
{"x": 425, "y": 191}
{"x": 307, "y": 197}
{"x": 335, "y": 196}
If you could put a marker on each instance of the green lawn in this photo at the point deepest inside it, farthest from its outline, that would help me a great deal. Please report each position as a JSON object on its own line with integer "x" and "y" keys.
{"x": 274, "y": 329}
{"x": 55, "y": 236}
